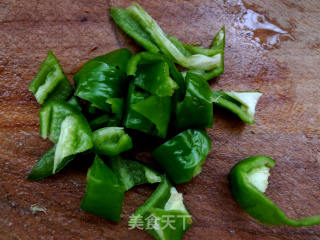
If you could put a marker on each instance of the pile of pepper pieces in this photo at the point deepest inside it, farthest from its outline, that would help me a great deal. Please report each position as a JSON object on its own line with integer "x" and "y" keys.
{"x": 146, "y": 92}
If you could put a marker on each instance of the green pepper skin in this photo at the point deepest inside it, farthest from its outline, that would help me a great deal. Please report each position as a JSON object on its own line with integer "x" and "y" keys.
{"x": 165, "y": 201}
{"x": 158, "y": 111}
{"x": 217, "y": 47}
{"x": 44, "y": 166}
{"x": 124, "y": 20}
{"x": 182, "y": 156}
{"x": 133, "y": 119}
{"x": 244, "y": 108}
{"x": 254, "y": 202}
{"x": 102, "y": 78}
{"x": 195, "y": 111}
{"x": 148, "y": 114}
{"x": 132, "y": 173}
{"x": 75, "y": 103}
{"x": 104, "y": 192}
{"x": 50, "y": 83}
{"x": 111, "y": 141}
{"x": 52, "y": 115}
{"x": 66, "y": 127}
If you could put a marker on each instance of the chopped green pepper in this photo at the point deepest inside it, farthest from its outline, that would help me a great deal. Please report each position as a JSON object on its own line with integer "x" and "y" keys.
{"x": 132, "y": 173}
{"x": 171, "y": 46}
{"x": 75, "y": 103}
{"x": 51, "y": 82}
{"x": 217, "y": 47}
{"x": 44, "y": 166}
{"x": 165, "y": 205}
{"x": 99, "y": 122}
{"x": 102, "y": 78}
{"x": 67, "y": 128}
{"x": 249, "y": 180}
{"x": 195, "y": 110}
{"x": 149, "y": 114}
{"x": 104, "y": 192}
{"x": 182, "y": 156}
{"x": 125, "y": 21}
{"x": 242, "y": 104}
{"x": 111, "y": 141}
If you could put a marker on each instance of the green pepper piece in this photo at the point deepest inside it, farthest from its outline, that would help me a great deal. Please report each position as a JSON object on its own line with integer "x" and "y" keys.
{"x": 195, "y": 111}
{"x": 243, "y": 104}
{"x": 145, "y": 113}
{"x": 111, "y": 141}
{"x": 150, "y": 58}
{"x": 217, "y": 47}
{"x": 104, "y": 192}
{"x": 182, "y": 156}
{"x": 75, "y": 103}
{"x": 249, "y": 180}
{"x": 44, "y": 166}
{"x": 51, "y": 82}
{"x": 53, "y": 114}
{"x": 164, "y": 202}
{"x": 170, "y": 47}
{"x": 132, "y": 173}
{"x": 124, "y": 20}
{"x": 66, "y": 127}
{"x": 155, "y": 79}
{"x": 99, "y": 122}
{"x": 102, "y": 78}
{"x": 133, "y": 119}
{"x": 157, "y": 110}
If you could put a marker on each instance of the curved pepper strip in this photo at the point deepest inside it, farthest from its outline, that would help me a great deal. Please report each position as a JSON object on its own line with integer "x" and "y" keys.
{"x": 217, "y": 47}
{"x": 50, "y": 83}
{"x": 164, "y": 203}
{"x": 104, "y": 192}
{"x": 132, "y": 173}
{"x": 195, "y": 110}
{"x": 111, "y": 141}
{"x": 182, "y": 156}
{"x": 125, "y": 21}
{"x": 249, "y": 180}
{"x": 169, "y": 46}
{"x": 102, "y": 78}
{"x": 66, "y": 127}
{"x": 242, "y": 104}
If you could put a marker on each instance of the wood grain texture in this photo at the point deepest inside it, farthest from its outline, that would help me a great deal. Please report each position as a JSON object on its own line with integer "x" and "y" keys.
{"x": 287, "y": 122}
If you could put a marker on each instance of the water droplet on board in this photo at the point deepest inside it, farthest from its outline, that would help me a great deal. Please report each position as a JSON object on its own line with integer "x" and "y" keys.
{"x": 259, "y": 29}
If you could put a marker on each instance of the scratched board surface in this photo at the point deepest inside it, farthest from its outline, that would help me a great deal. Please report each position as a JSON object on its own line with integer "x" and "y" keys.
{"x": 271, "y": 46}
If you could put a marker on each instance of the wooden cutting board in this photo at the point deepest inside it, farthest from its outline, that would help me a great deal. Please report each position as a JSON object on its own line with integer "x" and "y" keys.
{"x": 282, "y": 62}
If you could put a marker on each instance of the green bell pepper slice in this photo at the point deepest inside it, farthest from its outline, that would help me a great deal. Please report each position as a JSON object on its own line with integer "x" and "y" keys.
{"x": 66, "y": 127}
{"x": 169, "y": 46}
{"x": 249, "y": 181}
{"x": 182, "y": 156}
{"x": 242, "y": 104}
{"x": 111, "y": 141}
{"x": 195, "y": 110}
{"x": 132, "y": 173}
{"x": 99, "y": 122}
{"x": 164, "y": 203}
{"x": 217, "y": 47}
{"x": 44, "y": 165}
{"x": 125, "y": 21}
{"x": 102, "y": 78}
{"x": 50, "y": 83}
{"x": 104, "y": 192}
{"x": 145, "y": 113}
{"x": 75, "y": 103}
